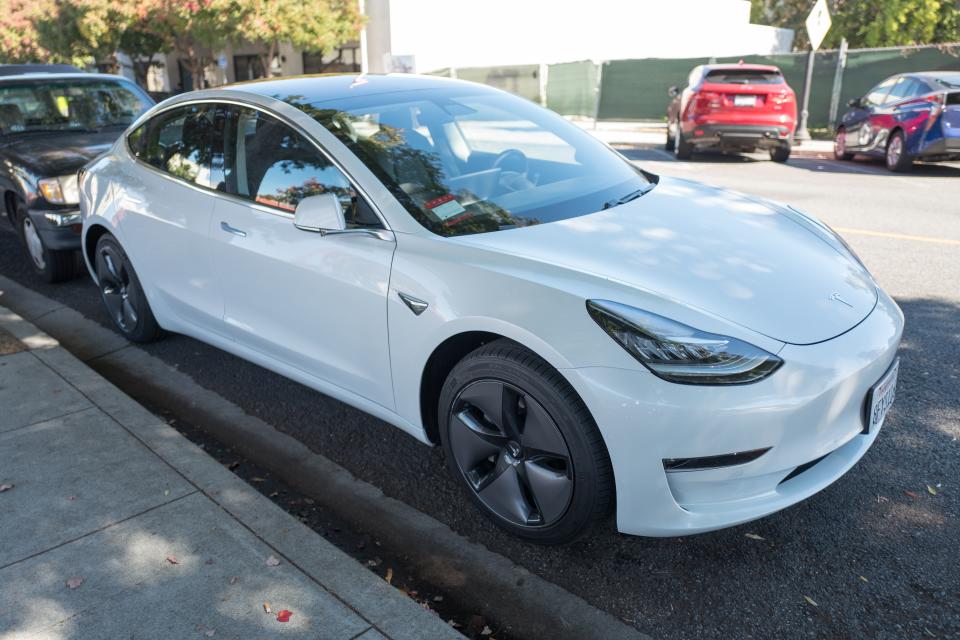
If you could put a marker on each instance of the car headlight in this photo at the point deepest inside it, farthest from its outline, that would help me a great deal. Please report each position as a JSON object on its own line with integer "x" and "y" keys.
{"x": 679, "y": 353}
{"x": 60, "y": 190}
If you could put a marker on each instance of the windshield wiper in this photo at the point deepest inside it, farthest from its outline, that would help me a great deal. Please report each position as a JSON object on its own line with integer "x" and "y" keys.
{"x": 633, "y": 195}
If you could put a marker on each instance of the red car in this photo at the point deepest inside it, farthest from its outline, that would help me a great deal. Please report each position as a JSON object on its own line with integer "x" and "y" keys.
{"x": 737, "y": 107}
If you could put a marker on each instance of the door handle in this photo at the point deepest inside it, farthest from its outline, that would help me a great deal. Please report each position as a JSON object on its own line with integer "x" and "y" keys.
{"x": 237, "y": 232}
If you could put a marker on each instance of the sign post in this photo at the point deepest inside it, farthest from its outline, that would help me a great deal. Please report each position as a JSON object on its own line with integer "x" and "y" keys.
{"x": 818, "y": 23}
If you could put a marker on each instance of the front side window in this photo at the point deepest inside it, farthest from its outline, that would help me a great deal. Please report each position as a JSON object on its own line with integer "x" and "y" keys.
{"x": 879, "y": 93}
{"x": 179, "y": 142}
{"x": 69, "y": 105}
{"x": 268, "y": 162}
{"x": 464, "y": 160}
{"x": 906, "y": 88}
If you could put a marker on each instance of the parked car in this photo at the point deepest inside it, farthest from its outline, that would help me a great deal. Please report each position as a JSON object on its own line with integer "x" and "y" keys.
{"x": 575, "y": 332}
{"x": 907, "y": 117}
{"x": 20, "y": 69}
{"x": 51, "y": 124}
{"x": 732, "y": 107}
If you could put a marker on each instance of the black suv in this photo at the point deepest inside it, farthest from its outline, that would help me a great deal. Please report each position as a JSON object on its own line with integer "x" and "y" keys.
{"x": 51, "y": 124}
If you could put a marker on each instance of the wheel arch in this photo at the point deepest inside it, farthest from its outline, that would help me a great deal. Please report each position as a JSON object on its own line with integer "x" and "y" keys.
{"x": 91, "y": 236}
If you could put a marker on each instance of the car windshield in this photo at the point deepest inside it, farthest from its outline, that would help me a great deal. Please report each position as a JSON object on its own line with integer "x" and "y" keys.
{"x": 744, "y": 76}
{"x": 69, "y": 105}
{"x": 464, "y": 161}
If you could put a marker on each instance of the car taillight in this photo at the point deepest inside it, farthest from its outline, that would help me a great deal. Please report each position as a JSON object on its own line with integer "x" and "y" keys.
{"x": 707, "y": 100}
{"x": 784, "y": 97}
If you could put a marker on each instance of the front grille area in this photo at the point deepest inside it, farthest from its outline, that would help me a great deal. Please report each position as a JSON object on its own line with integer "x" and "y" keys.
{"x": 713, "y": 462}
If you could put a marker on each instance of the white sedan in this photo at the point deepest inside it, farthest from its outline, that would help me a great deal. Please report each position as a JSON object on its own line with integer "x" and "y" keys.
{"x": 577, "y": 334}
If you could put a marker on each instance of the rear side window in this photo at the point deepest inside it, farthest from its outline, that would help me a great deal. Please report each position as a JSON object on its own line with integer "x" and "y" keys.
{"x": 179, "y": 142}
{"x": 744, "y": 76}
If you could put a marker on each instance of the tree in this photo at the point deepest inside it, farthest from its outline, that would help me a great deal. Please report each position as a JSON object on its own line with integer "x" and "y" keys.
{"x": 868, "y": 23}
{"x": 194, "y": 29}
{"x": 19, "y": 41}
{"x": 82, "y": 32}
{"x": 310, "y": 25}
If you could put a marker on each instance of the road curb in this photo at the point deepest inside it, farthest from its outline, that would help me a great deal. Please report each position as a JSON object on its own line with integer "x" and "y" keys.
{"x": 525, "y": 604}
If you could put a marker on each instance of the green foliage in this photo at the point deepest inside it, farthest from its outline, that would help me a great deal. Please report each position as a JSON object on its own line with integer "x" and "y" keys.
{"x": 868, "y": 23}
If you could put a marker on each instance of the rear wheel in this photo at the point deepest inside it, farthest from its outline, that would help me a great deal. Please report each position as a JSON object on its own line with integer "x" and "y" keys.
{"x": 523, "y": 445}
{"x": 122, "y": 294}
{"x": 780, "y": 153}
{"x": 897, "y": 158}
{"x": 671, "y": 139}
{"x": 840, "y": 145}
{"x": 49, "y": 264}
{"x": 683, "y": 150}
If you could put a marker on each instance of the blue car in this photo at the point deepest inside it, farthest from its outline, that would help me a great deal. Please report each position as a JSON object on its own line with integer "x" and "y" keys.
{"x": 907, "y": 117}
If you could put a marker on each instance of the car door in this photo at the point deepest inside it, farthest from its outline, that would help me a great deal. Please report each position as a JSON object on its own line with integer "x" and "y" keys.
{"x": 314, "y": 302}
{"x": 861, "y": 120}
{"x": 166, "y": 214}
{"x": 907, "y": 107}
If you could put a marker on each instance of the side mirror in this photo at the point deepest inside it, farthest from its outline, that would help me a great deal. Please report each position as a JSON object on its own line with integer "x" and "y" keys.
{"x": 856, "y": 103}
{"x": 320, "y": 214}
{"x": 673, "y": 91}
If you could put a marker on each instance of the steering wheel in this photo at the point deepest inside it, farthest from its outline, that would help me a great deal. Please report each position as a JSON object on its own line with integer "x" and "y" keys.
{"x": 513, "y": 170}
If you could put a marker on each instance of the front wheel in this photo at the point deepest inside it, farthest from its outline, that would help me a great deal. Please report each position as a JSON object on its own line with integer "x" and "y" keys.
{"x": 780, "y": 153}
{"x": 897, "y": 157}
{"x": 671, "y": 140}
{"x": 122, "y": 293}
{"x": 840, "y": 145}
{"x": 51, "y": 265}
{"x": 523, "y": 445}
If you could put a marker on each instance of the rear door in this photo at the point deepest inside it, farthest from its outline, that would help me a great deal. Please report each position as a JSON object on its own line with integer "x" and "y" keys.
{"x": 165, "y": 212}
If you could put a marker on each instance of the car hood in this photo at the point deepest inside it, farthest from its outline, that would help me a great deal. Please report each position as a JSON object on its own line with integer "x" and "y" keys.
{"x": 48, "y": 154}
{"x": 766, "y": 268}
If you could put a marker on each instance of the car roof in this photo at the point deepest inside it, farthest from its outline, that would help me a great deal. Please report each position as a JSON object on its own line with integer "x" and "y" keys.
{"x": 952, "y": 76}
{"x": 74, "y": 75}
{"x": 748, "y": 67}
{"x": 308, "y": 89}
{"x": 33, "y": 67}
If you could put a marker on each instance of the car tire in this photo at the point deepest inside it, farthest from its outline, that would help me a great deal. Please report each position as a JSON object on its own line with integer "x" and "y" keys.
{"x": 671, "y": 140}
{"x": 840, "y": 145}
{"x": 780, "y": 153}
{"x": 536, "y": 465}
{"x": 896, "y": 157}
{"x": 51, "y": 265}
{"x": 683, "y": 150}
{"x": 122, "y": 294}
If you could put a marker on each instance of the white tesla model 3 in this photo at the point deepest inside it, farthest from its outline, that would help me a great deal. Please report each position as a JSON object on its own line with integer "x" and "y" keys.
{"x": 578, "y": 334}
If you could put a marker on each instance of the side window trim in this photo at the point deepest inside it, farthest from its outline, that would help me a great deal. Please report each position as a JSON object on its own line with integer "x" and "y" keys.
{"x": 361, "y": 192}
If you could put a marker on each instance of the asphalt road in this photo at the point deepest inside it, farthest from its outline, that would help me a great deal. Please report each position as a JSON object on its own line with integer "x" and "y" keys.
{"x": 877, "y": 553}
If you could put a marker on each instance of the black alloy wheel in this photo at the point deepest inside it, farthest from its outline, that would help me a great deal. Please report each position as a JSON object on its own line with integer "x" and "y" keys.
{"x": 523, "y": 445}
{"x": 122, "y": 294}
{"x": 511, "y": 453}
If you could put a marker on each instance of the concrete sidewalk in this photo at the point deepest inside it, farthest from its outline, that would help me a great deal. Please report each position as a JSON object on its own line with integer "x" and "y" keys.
{"x": 113, "y": 525}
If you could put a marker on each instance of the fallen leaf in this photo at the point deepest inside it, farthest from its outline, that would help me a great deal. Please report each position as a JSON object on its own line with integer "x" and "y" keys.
{"x": 234, "y": 579}
{"x": 173, "y": 560}
{"x": 233, "y": 465}
{"x": 273, "y": 561}
{"x": 274, "y": 494}
{"x": 284, "y": 615}
{"x": 438, "y": 598}
{"x": 754, "y": 536}
{"x": 810, "y": 601}
{"x": 864, "y": 579}
{"x": 486, "y": 631}
{"x": 910, "y": 494}
{"x": 266, "y": 608}
{"x": 211, "y": 632}
{"x": 74, "y": 582}
{"x": 453, "y": 623}
{"x": 931, "y": 490}
{"x": 166, "y": 492}
{"x": 389, "y": 576}
{"x": 374, "y": 563}
{"x": 258, "y": 479}
{"x": 5, "y": 487}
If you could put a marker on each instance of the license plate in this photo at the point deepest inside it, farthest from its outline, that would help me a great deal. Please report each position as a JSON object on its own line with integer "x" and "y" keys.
{"x": 881, "y": 397}
{"x": 744, "y": 101}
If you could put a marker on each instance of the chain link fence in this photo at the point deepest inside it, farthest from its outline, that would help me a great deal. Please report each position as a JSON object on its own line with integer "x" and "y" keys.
{"x": 637, "y": 89}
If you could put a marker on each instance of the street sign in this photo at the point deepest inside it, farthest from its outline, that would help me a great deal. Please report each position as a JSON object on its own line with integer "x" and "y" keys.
{"x": 818, "y": 23}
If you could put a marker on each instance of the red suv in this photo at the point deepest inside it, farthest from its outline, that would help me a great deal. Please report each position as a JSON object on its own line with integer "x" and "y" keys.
{"x": 738, "y": 107}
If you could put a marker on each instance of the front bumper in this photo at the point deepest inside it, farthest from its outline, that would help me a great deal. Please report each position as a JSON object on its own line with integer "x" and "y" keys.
{"x": 739, "y": 136}
{"x": 58, "y": 228}
{"x": 811, "y": 408}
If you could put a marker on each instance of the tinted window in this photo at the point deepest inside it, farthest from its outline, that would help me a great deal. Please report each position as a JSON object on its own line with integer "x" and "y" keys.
{"x": 268, "y": 162}
{"x": 879, "y": 92}
{"x": 743, "y": 76}
{"x": 464, "y": 160}
{"x": 180, "y": 142}
{"x": 905, "y": 88}
{"x": 69, "y": 105}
